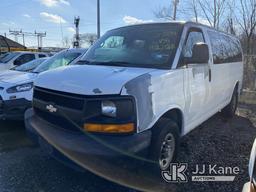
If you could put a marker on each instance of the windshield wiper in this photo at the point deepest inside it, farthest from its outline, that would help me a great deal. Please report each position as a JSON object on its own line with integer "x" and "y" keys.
{"x": 83, "y": 62}
{"x": 113, "y": 63}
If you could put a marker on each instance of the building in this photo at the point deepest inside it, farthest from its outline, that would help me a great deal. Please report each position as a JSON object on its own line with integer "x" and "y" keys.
{"x": 7, "y": 45}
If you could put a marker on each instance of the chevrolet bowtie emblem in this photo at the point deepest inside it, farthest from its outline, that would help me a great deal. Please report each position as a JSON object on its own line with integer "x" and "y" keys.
{"x": 51, "y": 108}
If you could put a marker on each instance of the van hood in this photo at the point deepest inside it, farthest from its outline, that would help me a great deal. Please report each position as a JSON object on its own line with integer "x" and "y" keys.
{"x": 14, "y": 77}
{"x": 89, "y": 79}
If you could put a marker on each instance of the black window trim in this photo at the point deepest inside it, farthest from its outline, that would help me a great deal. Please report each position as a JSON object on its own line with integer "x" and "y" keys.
{"x": 190, "y": 29}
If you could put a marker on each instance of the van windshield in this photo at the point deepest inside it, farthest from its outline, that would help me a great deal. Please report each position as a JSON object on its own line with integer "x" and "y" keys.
{"x": 61, "y": 59}
{"x": 149, "y": 45}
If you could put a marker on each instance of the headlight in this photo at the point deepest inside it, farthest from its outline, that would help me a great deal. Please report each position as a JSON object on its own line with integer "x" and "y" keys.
{"x": 110, "y": 115}
{"x": 108, "y": 108}
{"x": 20, "y": 88}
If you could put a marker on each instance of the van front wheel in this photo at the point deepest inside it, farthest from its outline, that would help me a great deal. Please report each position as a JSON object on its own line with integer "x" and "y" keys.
{"x": 165, "y": 143}
{"x": 230, "y": 110}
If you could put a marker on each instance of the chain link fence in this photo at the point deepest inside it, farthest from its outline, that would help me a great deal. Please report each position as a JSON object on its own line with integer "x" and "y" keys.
{"x": 249, "y": 82}
{"x": 249, "y": 73}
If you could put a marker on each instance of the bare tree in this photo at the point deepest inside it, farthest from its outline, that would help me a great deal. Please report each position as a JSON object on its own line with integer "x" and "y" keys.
{"x": 247, "y": 21}
{"x": 195, "y": 9}
{"x": 66, "y": 42}
{"x": 168, "y": 12}
{"x": 229, "y": 24}
{"x": 164, "y": 13}
{"x": 213, "y": 11}
{"x": 88, "y": 38}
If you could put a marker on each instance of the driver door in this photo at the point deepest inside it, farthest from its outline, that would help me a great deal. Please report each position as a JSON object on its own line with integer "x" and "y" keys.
{"x": 196, "y": 82}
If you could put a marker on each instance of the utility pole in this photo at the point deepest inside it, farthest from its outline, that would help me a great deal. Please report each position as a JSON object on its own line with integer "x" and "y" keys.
{"x": 175, "y": 5}
{"x": 23, "y": 38}
{"x": 77, "y": 36}
{"x": 98, "y": 19}
{"x": 40, "y": 39}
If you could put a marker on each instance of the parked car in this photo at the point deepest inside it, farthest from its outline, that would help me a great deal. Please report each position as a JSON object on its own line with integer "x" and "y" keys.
{"x": 16, "y": 85}
{"x": 138, "y": 88}
{"x": 12, "y": 59}
{"x": 251, "y": 185}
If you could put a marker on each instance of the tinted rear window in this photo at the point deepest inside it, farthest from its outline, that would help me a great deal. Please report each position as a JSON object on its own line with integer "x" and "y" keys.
{"x": 226, "y": 49}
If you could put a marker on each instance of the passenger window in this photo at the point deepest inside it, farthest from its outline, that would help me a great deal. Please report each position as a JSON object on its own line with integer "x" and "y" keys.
{"x": 24, "y": 59}
{"x": 41, "y": 56}
{"x": 192, "y": 38}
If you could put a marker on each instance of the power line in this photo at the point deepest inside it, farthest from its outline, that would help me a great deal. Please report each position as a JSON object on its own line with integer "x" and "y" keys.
{"x": 18, "y": 33}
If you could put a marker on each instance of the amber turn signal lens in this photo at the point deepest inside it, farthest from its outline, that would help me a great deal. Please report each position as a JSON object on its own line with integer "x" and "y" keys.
{"x": 111, "y": 128}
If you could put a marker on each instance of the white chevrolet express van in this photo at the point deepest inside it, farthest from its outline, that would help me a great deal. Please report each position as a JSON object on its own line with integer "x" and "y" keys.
{"x": 138, "y": 88}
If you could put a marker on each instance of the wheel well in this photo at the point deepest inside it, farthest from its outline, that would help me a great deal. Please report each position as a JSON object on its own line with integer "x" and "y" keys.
{"x": 175, "y": 115}
{"x": 237, "y": 87}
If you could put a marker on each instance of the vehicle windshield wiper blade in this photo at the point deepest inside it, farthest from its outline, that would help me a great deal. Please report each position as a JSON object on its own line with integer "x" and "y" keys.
{"x": 113, "y": 63}
{"x": 83, "y": 62}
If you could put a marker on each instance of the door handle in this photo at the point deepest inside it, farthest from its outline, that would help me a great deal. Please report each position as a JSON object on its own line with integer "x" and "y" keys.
{"x": 210, "y": 75}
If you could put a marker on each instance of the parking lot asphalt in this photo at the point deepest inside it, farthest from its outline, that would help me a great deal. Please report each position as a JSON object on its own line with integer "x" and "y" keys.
{"x": 25, "y": 167}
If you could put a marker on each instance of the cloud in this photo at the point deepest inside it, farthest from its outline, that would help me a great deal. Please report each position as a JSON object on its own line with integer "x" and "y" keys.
{"x": 26, "y": 15}
{"x": 133, "y": 20}
{"x": 71, "y": 29}
{"x": 201, "y": 20}
{"x": 54, "y": 3}
{"x": 52, "y": 18}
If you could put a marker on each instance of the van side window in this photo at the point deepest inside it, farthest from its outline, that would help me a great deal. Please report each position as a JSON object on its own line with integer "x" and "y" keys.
{"x": 225, "y": 48}
{"x": 192, "y": 38}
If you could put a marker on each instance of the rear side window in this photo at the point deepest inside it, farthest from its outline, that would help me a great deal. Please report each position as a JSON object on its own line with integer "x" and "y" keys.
{"x": 25, "y": 58}
{"x": 225, "y": 48}
{"x": 41, "y": 55}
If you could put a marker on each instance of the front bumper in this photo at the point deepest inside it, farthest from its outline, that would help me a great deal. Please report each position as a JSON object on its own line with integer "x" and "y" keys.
{"x": 84, "y": 148}
{"x": 13, "y": 109}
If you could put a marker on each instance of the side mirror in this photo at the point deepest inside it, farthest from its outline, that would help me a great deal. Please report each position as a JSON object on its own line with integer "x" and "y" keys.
{"x": 252, "y": 165}
{"x": 251, "y": 186}
{"x": 200, "y": 54}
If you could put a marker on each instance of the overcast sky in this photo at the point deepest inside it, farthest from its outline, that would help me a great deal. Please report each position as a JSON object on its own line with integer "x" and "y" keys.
{"x": 56, "y": 16}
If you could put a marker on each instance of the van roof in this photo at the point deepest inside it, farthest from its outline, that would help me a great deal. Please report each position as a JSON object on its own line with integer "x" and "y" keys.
{"x": 181, "y": 23}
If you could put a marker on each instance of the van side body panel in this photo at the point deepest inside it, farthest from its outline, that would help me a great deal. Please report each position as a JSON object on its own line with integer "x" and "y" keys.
{"x": 155, "y": 94}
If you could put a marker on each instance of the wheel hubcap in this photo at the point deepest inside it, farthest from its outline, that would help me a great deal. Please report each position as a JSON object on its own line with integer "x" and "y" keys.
{"x": 167, "y": 151}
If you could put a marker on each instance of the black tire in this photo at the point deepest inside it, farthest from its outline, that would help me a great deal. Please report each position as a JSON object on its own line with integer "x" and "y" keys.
{"x": 230, "y": 110}
{"x": 164, "y": 128}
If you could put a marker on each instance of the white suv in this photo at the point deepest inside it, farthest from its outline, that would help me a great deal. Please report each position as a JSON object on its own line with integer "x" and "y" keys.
{"x": 16, "y": 85}
{"x": 12, "y": 59}
{"x": 138, "y": 88}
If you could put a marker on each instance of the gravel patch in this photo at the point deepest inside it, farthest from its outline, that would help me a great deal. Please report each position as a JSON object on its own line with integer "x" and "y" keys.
{"x": 24, "y": 167}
